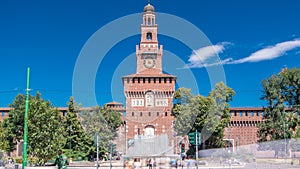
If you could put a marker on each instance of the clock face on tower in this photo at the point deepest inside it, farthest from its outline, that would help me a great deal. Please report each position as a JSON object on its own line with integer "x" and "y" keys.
{"x": 149, "y": 62}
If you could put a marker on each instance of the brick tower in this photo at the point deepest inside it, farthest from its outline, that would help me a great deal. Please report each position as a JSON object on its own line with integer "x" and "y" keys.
{"x": 149, "y": 92}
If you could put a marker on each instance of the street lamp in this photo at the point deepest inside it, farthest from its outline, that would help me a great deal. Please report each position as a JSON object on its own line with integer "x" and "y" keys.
{"x": 70, "y": 141}
{"x": 285, "y": 144}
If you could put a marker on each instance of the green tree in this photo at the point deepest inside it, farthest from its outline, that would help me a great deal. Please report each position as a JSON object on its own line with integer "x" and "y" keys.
{"x": 103, "y": 121}
{"x": 219, "y": 116}
{"x": 281, "y": 91}
{"x": 45, "y": 131}
{"x": 3, "y": 139}
{"x": 79, "y": 143}
{"x": 209, "y": 115}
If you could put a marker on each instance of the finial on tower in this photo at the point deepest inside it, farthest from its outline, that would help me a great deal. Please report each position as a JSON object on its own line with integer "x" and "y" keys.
{"x": 148, "y": 7}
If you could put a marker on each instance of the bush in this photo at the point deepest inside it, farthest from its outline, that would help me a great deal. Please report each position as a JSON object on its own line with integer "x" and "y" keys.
{"x": 18, "y": 160}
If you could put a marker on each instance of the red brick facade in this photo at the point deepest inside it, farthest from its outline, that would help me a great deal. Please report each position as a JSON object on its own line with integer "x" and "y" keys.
{"x": 149, "y": 92}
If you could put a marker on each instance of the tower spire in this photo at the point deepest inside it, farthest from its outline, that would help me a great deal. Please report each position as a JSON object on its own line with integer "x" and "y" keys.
{"x": 148, "y": 1}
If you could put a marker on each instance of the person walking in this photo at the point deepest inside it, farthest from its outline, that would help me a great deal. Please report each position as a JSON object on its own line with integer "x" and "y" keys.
{"x": 61, "y": 160}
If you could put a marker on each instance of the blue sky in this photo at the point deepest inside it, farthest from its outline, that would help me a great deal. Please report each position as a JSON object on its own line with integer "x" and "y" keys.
{"x": 253, "y": 40}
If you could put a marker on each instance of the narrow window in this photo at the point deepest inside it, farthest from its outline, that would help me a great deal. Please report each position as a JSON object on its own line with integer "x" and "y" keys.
{"x": 141, "y": 113}
{"x": 132, "y": 113}
{"x": 235, "y": 113}
{"x": 241, "y": 113}
{"x": 149, "y": 113}
{"x": 166, "y": 113}
{"x": 157, "y": 113}
{"x": 149, "y": 36}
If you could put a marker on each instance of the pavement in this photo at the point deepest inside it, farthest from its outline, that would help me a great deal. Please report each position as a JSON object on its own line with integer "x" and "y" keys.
{"x": 119, "y": 165}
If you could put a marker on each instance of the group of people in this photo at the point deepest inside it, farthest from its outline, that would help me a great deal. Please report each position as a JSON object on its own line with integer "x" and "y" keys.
{"x": 137, "y": 164}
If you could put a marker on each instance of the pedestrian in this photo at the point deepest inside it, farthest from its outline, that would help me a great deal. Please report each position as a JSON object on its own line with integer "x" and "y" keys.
{"x": 137, "y": 163}
{"x": 61, "y": 160}
{"x": 149, "y": 163}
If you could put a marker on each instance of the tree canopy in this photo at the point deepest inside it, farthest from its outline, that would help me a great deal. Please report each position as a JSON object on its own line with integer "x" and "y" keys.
{"x": 79, "y": 143}
{"x": 208, "y": 115}
{"x": 103, "y": 121}
{"x": 282, "y": 93}
{"x": 45, "y": 132}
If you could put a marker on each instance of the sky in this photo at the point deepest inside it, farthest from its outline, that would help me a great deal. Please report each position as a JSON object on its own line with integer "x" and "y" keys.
{"x": 62, "y": 41}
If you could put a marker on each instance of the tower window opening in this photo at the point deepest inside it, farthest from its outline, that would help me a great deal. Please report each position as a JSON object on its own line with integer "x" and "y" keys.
{"x": 144, "y": 80}
{"x": 165, "y": 80}
{"x": 159, "y": 80}
{"x": 149, "y": 80}
{"x": 257, "y": 113}
{"x": 141, "y": 113}
{"x": 133, "y": 80}
{"x": 149, "y": 21}
{"x": 149, "y": 113}
{"x": 170, "y": 80}
{"x": 149, "y": 36}
{"x": 152, "y": 21}
{"x": 166, "y": 113}
{"x": 138, "y": 80}
{"x": 235, "y": 113}
{"x": 157, "y": 113}
{"x": 132, "y": 113}
{"x": 154, "y": 80}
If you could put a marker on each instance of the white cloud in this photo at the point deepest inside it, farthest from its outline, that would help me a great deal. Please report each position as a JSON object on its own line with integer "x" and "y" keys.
{"x": 270, "y": 52}
{"x": 206, "y": 55}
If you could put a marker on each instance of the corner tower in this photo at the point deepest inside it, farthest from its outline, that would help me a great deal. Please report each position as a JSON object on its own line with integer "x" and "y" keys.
{"x": 149, "y": 92}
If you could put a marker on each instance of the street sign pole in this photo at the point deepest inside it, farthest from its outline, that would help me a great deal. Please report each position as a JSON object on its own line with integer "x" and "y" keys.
{"x": 197, "y": 149}
{"x": 24, "y": 156}
{"x": 110, "y": 155}
{"x": 97, "y": 142}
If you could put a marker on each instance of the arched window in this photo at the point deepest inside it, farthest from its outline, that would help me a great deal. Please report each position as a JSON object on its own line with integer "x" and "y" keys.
{"x": 149, "y": 36}
{"x": 149, "y": 130}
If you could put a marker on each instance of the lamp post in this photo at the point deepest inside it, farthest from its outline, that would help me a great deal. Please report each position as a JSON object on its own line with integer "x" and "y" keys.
{"x": 70, "y": 141}
{"x": 285, "y": 145}
{"x": 24, "y": 156}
